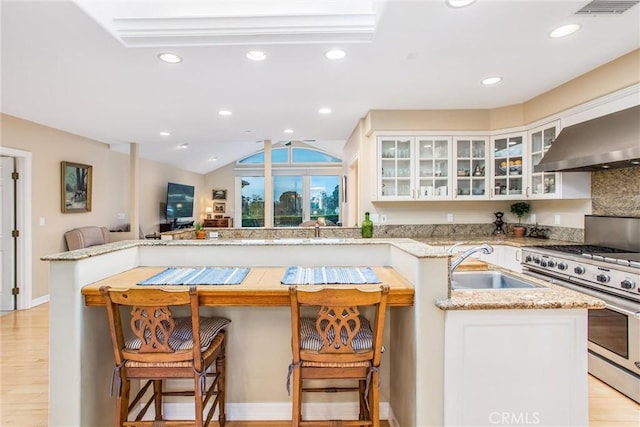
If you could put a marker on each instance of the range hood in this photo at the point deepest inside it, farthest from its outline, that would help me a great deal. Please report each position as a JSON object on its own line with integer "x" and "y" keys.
{"x": 611, "y": 141}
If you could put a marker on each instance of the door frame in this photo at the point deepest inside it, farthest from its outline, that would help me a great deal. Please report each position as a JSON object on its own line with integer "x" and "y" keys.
{"x": 23, "y": 223}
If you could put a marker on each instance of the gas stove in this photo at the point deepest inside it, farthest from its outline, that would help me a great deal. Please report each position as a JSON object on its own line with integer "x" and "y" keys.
{"x": 609, "y": 261}
{"x": 595, "y": 270}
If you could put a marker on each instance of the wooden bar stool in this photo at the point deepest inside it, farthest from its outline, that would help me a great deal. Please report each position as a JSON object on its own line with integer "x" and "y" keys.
{"x": 337, "y": 344}
{"x": 159, "y": 347}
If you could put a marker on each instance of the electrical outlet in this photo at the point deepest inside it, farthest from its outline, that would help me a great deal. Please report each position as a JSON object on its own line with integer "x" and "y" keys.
{"x": 120, "y": 215}
{"x": 449, "y": 217}
{"x": 532, "y": 218}
{"x": 383, "y": 219}
{"x": 213, "y": 234}
{"x": 556, "y": 219}
{"x": 41, "y": 220}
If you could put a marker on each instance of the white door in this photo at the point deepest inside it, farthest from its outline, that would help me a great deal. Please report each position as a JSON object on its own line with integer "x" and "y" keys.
{"x": 7, "y": 221}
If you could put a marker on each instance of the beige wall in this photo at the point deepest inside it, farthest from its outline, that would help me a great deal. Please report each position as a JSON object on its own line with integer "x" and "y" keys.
{"x": 221, "y": 179}
{"x": 48, "y": 148}
{"x": 618, "y": 74}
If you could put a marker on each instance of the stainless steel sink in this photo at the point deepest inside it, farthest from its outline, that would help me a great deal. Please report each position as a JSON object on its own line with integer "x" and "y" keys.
{"x": 489, "y": 280}
{"x": 314, "y": 240}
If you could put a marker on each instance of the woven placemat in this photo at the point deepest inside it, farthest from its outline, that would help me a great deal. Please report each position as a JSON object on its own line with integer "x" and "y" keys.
{"x": 198, "y": 276}
{"x": 329, "y": 275}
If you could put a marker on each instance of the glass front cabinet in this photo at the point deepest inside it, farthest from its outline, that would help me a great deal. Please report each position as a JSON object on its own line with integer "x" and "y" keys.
{"x": 395, "y": 168}
{"x": 414, "y": 168}
{"x": 433, "y": 168}
{"x": 470, "y": 168}
{"x": 509, "y": 166}
{"x": 542, "y": 184}
{"x": 552, "y": 185}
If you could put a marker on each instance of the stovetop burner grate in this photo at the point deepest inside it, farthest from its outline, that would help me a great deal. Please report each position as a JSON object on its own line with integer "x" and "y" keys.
{"x": 583, "y": 249}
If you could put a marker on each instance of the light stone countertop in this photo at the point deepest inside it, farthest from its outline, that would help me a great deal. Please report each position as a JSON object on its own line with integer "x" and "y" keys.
{"x": 548, "y": 296}
{"x": 413, "y": 247}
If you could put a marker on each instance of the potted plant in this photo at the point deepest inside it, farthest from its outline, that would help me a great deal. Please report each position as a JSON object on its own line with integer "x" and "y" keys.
{"x": 199, "y": 231}
{"x": 519, "y": 209}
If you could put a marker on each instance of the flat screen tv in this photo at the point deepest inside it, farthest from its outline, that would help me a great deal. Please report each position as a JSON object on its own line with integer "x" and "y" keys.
{"x": 179, "y": 201}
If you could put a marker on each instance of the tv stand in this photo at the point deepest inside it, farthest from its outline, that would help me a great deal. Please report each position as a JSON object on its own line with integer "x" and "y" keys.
{"x": 175, "y": 225}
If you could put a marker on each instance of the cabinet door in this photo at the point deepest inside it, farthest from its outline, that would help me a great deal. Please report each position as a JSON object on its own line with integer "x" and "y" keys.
{"x": 470, "y": 165}
{"x": 395, "y": 168}
{"x": 542, "y": 185}
{"x": 508, "y": 166}
{"x": 433, "y": 168}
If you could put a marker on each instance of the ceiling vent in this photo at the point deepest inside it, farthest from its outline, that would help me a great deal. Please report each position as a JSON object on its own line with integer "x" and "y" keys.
{"x": 607, "y": 7}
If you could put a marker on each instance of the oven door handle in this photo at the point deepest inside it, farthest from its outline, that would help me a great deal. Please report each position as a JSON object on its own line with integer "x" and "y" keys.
{"x": 635, "y": 315}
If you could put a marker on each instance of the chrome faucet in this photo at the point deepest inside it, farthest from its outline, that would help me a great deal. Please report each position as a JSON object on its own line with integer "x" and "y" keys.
{"x": 487, "y": 249}
{"x": 450, "y": 249}
{"x": 317, "y": 231}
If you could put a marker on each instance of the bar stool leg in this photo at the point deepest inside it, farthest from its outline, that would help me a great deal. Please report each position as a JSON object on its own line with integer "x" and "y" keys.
{"x": 157, "y": 391}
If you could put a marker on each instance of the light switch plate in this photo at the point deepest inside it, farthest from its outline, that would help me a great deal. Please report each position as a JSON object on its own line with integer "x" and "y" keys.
{"x": 383, "y": 219}
{"x": 449, "y": 217}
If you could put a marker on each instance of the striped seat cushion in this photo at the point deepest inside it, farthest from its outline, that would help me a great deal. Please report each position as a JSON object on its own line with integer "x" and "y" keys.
{"x": 310, "y": 339}
{"x": 182, "y": 337}
{"x": 213, "y": 347}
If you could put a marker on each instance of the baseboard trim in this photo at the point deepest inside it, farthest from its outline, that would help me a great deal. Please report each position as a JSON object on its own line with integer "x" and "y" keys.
{"x": 39, "y": 301}
{"x": 276, "y": 411}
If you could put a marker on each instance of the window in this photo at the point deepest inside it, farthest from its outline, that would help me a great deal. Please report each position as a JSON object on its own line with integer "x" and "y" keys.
{"x": 252, "y": 194}
{"x": 287, "y": 201}
{"x": 305, "y": 155}
{"x": 278, "y": 155}
{"x": 306, "y": 186}
{"x": 324, "y": 198}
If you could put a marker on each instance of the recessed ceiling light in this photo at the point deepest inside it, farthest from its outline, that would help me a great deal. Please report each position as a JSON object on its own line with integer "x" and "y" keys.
{"x": 224, "y": 113}
{"x": 256, "y": 55}
{"x": 324, "y": 111}
{"x": 185, "y": 145}
{"x": 605, "y": 166}
{"x": 164, "y": 134}
{"x": 288, "y": 131}
{"x": 491, "y": 80}
{"x": 170, "y": 58}
{"x": 564, "y": 31}
{"x": 459, "y": 3}
{"x": 335, "y": 54}
{"x": 213, "y": 159}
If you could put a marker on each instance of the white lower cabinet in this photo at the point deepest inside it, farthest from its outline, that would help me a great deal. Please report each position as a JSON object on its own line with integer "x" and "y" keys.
{"x": 516, "y": 367}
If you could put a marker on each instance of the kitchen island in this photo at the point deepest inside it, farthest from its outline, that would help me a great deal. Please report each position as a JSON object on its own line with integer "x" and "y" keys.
{"x": 259, "y": 335}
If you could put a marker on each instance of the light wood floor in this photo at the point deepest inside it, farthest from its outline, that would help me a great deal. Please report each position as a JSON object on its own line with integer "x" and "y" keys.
{"x": 24, "y": 373}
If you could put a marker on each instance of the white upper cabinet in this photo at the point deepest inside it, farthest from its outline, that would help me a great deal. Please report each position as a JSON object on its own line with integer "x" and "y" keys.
{"x": 470, "y": 169}
{"x": 552, "y": 185}
{"x": 473, "y": 168}
{"x": 395, "y": 168}
{"x": 414, "y": 168}
{"x": 433, "y": 168}
{"x": 509, "y": 166}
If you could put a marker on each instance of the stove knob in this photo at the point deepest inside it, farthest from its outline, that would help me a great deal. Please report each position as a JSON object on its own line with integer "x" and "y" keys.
{"x": 579, "y": 270}
{"x": 627, "y": 284}
{"x": 602, "y": 278}
{"x": 528, "y": 258}
{"x": 536, "y": 260}
{"x": 562, "y": 266}
{"x": 543, "y": 263}
{"x": 551, "y": 263}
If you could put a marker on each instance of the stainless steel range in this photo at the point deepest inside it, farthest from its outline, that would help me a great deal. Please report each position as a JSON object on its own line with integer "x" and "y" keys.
{"x": 607, "y": 266}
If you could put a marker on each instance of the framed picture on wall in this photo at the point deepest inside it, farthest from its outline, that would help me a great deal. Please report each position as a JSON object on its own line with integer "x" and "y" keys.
{"x": 219, "y": 195}
{"x": 75, "y": 194}
{"x": 219, "y": 208}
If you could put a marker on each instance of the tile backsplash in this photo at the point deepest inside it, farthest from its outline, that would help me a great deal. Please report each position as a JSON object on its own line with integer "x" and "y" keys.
{"x": 616, "y": 192}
